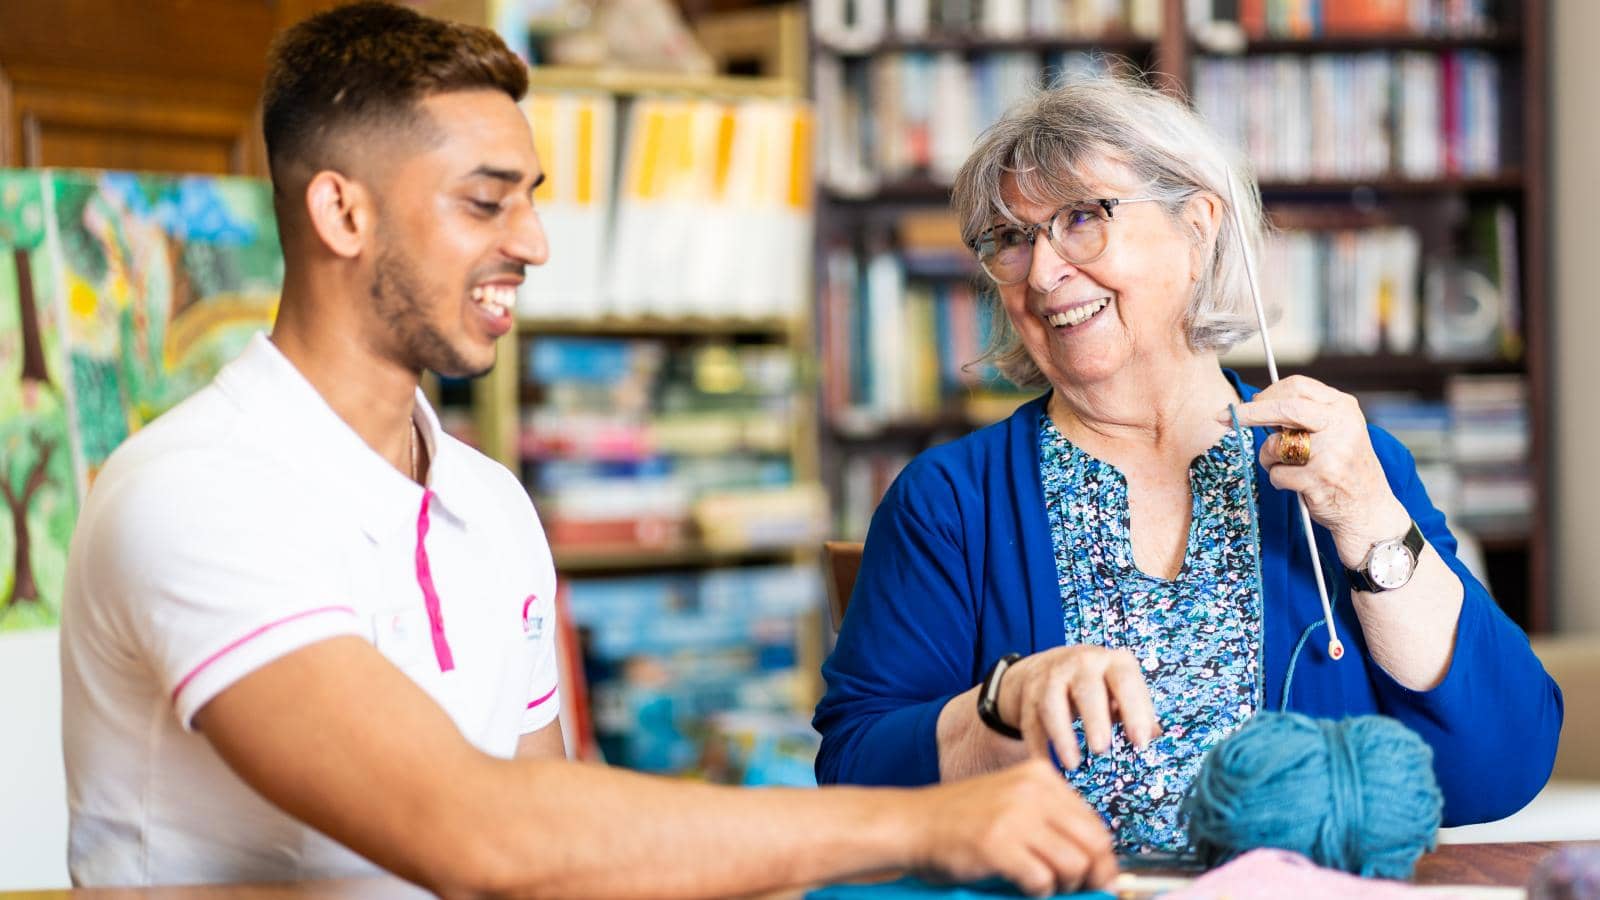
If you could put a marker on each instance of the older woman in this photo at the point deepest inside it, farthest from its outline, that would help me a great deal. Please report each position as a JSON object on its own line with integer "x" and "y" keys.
{"x": 1109, "y": 570}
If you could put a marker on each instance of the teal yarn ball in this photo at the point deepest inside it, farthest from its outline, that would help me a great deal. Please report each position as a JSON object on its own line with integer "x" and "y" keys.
{"x": 1356, "y": 794}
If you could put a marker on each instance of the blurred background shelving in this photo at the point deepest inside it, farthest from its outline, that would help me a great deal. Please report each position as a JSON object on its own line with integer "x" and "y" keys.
{"x": 1401, "y": 152}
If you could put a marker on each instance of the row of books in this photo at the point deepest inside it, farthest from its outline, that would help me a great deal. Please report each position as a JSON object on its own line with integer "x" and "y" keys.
{"x": 636, "y": 443}
{"x": 1348, "y": 292}
{"x": 1314, "y": 18}
{"x": 897, "y": 116}
{"x": 708, "y": 211}
{"x": 1365, "y": 115}
{"x": 1367, "y": 291}
{"x": 670, "y": 657}
{"x": 1471, "y": 448}
{"x": 897, "y": 347}
{"x": 865, "y": 476}
{"x": 861, "y": 25}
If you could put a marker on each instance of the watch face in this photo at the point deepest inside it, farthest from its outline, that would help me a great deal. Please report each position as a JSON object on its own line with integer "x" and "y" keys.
{"x": 1390, "y": 565}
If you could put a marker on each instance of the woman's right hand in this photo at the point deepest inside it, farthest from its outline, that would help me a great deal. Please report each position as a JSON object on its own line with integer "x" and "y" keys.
{"x": 1042, "y": 694}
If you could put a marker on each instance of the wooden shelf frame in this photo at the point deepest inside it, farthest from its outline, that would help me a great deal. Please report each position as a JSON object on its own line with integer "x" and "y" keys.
{"x": 627, "y": 82}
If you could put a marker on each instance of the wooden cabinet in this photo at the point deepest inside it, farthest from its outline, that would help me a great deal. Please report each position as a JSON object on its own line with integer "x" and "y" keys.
{"x": 156, "y": 85}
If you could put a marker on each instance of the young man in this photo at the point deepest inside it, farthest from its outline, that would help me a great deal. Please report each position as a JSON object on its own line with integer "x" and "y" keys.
{"x": 307, "y": 632}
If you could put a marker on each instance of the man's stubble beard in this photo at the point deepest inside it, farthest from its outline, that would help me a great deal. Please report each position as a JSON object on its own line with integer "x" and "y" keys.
{"x": 397, "y": 299}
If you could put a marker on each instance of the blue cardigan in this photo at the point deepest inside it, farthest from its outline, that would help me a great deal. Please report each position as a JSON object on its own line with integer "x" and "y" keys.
{"x": 959, "y": 570}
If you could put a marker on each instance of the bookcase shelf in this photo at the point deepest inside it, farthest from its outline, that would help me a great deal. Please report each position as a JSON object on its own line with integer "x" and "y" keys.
{"x": 1379, "y": 369}
{"x": 659, "y": 326}
{"x": 633, "y": 81}
{"x": 1503, "y": 181}
{"x": 860, "y": 213}
{"x": 624, "y": 558}
{"x": 969, "y": 43}
{"x": 1359, "y": 43}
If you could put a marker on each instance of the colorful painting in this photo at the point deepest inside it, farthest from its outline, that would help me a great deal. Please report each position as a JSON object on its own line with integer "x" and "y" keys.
{"x": 120, "y": 294}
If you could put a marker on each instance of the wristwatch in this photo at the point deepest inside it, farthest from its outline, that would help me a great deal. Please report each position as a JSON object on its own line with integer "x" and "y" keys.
{"x": 989, "y": 698}
{"x": 1389, "y": 563}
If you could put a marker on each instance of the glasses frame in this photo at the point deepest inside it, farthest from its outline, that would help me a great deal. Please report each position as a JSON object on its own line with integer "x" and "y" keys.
{"x": 1048, "y": 226}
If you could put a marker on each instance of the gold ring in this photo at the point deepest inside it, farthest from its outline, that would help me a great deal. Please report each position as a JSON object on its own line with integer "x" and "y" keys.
{"x": 1294, "y": 447}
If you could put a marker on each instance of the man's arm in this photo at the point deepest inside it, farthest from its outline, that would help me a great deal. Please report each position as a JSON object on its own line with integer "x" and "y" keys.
{"x": 546, "y": 743}
{"x": 337, "y": 737}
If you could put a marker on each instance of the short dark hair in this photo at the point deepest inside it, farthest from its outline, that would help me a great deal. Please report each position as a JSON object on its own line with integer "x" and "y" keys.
{"x": 367, "y": 65}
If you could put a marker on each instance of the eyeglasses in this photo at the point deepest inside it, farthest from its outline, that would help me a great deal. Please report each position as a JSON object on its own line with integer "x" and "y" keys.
{"x": 1077, "y": 233}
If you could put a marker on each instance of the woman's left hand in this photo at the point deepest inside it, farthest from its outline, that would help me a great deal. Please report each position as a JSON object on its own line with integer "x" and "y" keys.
{"x": 1343, "y": 483}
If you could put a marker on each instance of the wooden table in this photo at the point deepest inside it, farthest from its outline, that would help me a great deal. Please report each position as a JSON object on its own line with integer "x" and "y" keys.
{"x": 1507, "y": 865}
{"x": 1488, "y": 864}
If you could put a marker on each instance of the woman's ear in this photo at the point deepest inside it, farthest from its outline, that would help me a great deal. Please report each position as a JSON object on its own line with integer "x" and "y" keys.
{"x": 340, "y": 212}
{"x": 1203, "y": 217}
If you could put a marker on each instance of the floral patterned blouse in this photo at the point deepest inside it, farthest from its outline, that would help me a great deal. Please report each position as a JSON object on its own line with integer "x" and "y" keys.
{"x": 1196, "y": 637}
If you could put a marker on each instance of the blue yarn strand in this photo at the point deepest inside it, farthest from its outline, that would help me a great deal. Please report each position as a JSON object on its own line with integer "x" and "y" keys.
{"x": 1294, "y": 658}
{"x": 1255, "y": 541}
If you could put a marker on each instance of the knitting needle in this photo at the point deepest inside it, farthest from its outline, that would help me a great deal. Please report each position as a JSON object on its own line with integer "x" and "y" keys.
{"x": 1335, "y": 648}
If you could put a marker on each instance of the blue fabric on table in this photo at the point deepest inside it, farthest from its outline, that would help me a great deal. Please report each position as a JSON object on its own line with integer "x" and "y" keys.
{"x": 917, "y": 889}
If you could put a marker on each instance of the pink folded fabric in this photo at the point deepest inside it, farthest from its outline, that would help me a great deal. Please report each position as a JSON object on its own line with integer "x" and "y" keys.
{"x": 1276, "y": 874}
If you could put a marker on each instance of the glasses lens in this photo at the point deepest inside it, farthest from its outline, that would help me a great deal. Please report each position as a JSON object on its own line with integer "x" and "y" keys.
{"x": 1079, "y": 233}
{"x": 1006, "y": 254}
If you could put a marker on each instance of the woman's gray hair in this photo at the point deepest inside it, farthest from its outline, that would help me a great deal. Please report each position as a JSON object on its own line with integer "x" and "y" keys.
{"x": 1056, "y": 140}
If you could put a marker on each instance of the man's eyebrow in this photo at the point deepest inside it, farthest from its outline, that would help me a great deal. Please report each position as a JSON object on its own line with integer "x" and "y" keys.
{"x": 511, "y": 177}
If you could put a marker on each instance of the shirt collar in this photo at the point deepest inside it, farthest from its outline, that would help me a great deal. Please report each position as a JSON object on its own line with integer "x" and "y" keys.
{"x": 294, "y": 423}
{"x": 450, "y": 474}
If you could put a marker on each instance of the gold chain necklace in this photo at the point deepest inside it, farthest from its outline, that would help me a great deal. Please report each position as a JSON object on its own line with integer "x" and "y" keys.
{"x": 411, "y": 432}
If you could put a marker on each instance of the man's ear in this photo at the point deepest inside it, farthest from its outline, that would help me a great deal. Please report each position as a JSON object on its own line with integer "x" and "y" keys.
{"x": 1203, "y": 215}
{"x": 340, "y": 211}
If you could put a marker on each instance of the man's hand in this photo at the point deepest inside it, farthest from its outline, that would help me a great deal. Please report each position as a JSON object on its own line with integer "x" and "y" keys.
{"x": 1024, "y": 824}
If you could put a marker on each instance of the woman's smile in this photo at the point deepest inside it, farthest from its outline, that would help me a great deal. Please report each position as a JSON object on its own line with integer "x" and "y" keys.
{"x": 1072, "y": 315}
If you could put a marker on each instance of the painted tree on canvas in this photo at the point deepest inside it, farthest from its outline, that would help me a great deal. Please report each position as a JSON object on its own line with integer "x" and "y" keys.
{"x": 27, "y": 450}
{"x": 36, "y": 480}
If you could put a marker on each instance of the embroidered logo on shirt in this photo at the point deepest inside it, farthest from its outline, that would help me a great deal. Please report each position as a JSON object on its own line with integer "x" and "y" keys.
{"x": 401, "y": 634}
{"x": 532, "y": 619}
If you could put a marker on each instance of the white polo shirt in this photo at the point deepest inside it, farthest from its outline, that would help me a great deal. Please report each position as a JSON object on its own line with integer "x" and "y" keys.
{"x": 247, "y": 523}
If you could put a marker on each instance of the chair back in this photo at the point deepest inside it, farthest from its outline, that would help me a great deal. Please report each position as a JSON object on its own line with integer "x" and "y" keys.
{"x": 841, "y": 560}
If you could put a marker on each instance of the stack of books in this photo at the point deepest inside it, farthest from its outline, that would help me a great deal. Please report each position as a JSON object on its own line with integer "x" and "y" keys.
{"x": 1489, "y": 445}
{"x": 632, "y": 445}
{"x": 666, "y": 654}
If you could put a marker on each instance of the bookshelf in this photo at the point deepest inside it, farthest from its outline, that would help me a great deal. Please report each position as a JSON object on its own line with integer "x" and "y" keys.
{"x": 664, "y": 422}
{"x": 1432, "y": 196}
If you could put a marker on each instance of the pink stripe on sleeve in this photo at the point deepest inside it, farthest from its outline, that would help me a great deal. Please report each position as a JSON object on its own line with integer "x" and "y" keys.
{"x": 236, "y": 644}
{"x": 544, "y": 698}
{"x": 430, "y": 595}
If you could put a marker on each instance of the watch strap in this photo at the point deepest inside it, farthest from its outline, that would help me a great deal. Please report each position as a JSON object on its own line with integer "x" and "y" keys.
{"x": 989, "y": 698}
